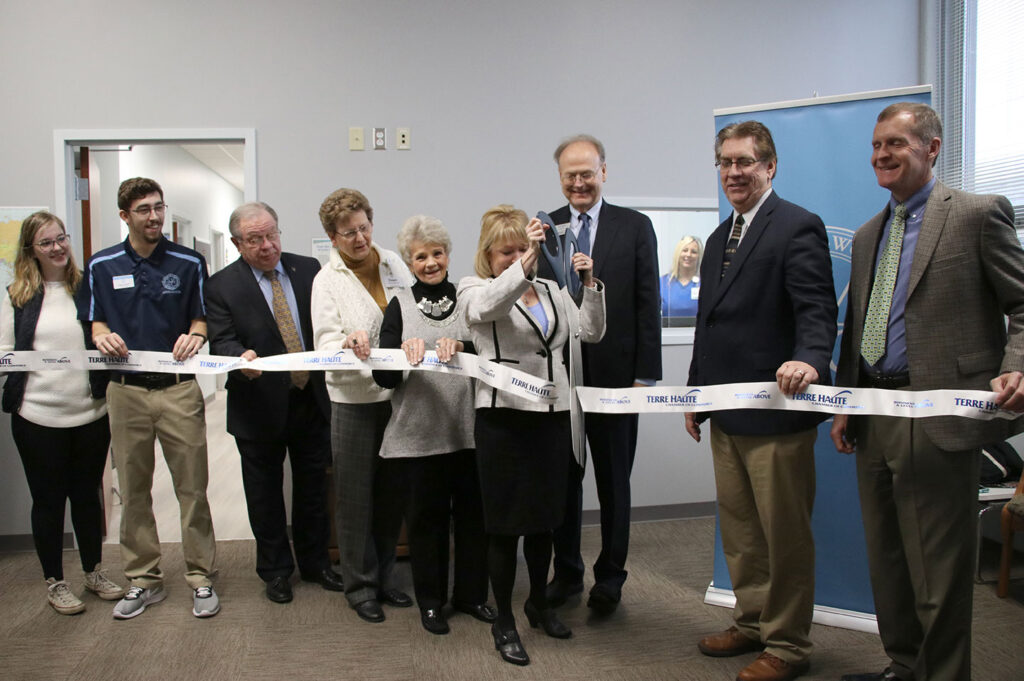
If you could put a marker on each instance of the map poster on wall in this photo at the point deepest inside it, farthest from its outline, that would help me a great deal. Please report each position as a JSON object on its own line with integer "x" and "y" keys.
{"x": 10, "y": 226}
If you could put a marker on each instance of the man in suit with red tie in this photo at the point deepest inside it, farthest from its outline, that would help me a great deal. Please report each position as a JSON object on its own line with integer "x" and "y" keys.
{"x": 934, "y": 279}
{"x": 767, "y": 312}
{"x": 624, "y": 248}
{"x": 259, "y": 306}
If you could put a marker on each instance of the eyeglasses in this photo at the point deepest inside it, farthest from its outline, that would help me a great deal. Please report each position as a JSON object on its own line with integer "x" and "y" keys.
{"x": 256, "y": 240}
{"x": 586, "y": 176}
{"x": 743, "y": 163}
{"x": 144, "y": 211}
{"x": 48, "y": 244}
{"x": 351, "y": 234}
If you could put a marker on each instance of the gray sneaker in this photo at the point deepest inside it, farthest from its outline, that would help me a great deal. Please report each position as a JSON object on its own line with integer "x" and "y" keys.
{"x": 59, "y": 595}
{"x": 98, "y": 583}
{"x": 136, "y": 600}
{"x": 205, "y": 602}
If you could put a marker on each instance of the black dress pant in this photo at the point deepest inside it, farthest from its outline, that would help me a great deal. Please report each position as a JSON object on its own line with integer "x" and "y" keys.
{"x": 308, "y": 445}
{"x": 612, "y": 440}
{"x": 61, "y": 465}
{"x": 444, "y": 488}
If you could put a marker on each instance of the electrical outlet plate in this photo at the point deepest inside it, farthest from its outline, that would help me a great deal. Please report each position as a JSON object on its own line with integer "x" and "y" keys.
{"x": 356, "y": 141}
{"x": 403, "y": 138}
{"x": 379, "y": 139}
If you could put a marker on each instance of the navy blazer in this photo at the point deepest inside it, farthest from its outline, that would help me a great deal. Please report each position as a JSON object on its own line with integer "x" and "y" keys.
{"x": 626, "y": 261}
{"x": 776, "y": 303}
{"x": 239, "y": 319}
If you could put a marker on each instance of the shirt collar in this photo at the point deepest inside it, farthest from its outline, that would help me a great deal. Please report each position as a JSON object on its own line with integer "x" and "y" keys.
{"x": 259, "y": 274}
{"x": 748, "y": 217}
{"x": 156, "y": 256}
{"x": 594, "y": 211}
{"x": 916, "y": 201}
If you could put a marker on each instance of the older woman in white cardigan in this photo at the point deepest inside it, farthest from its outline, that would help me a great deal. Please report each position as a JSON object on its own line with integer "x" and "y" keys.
{"x": 524, "y": 448}
{"x": 349, "y": 297}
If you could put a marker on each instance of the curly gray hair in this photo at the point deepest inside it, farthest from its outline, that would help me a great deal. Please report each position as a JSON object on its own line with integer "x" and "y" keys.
{"x": 426, "y": 230}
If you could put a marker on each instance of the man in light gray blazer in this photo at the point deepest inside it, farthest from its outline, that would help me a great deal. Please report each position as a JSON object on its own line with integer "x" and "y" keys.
{"x": 936, "y": 301}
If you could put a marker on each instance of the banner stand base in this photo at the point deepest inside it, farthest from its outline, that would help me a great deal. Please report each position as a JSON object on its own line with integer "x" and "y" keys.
{"x": 823, "y": 614}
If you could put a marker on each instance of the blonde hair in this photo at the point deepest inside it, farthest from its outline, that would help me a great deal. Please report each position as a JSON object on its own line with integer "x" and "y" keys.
{"x": 502, "y": 224}
{"x": 674, "y": 270}
{"x": 28, "y": 276}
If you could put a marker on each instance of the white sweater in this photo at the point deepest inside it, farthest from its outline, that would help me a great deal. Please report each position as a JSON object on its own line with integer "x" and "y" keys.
{"x": 341, "y": 305}
{"x": 58, "y": 398}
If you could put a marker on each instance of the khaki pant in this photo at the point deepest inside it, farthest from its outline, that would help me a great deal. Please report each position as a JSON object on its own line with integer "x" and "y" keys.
{"x": 177, "y": 416}
{"x": 765, "y": 496}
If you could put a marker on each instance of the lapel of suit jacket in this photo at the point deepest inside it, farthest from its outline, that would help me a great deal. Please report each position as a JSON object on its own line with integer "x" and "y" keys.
{"x": 935, "y": 212}
{"x": 862, "y": 269}
{"x": 548, "y": 303}
{"x": 754, "y": 233}
{"x": 606, "y": 236}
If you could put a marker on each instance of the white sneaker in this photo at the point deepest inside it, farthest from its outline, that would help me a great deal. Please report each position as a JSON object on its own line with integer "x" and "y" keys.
{"x": 60, "y": 597}
{"x": 98, "y": 583}
{"x": 205, "y": 602}
{"x": 136, "y": 600}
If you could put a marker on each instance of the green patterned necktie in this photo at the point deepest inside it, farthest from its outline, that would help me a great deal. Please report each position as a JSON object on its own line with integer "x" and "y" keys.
{"x": 872, "y": 345}
{"x": 286, "y": 325}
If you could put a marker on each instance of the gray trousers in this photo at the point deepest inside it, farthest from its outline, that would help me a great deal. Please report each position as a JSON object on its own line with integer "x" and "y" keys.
{"x": 369, "y": 500}
{"x": 919, "y": 505}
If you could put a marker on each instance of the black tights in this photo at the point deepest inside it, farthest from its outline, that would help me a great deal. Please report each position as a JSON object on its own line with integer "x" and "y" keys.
{"x": 501, "y": 561}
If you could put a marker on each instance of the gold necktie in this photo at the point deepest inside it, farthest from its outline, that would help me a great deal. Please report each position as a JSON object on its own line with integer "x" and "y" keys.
{"x": 286, "y": 325}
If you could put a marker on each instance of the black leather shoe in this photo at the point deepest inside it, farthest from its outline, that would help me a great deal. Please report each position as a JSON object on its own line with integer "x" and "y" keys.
{"x": 558, "y": 592}
{"x": 327, "y": 578}
{"x": 279, "y": 590}
{"x": 481, "y": 611}
{"x": 433, "y": 621}
{"x": 507, "y": 643}
{"x": 886, "y": 675}
{"x": 394, "y": 597}
{"x": 604, "y": 599}
{"x": 370, "y": 611}
{"x": 547, "y": 619}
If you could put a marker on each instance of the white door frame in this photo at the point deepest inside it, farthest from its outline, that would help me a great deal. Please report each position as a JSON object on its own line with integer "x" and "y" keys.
{"x": 65, "y": 140}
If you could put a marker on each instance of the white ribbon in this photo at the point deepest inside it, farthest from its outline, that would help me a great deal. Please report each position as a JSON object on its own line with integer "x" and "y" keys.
{"x": 975, "y": 404}
{"x": 495, "y": 375}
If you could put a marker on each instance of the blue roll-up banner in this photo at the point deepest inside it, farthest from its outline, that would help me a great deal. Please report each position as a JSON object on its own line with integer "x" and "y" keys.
{"x": 824, "y": 150}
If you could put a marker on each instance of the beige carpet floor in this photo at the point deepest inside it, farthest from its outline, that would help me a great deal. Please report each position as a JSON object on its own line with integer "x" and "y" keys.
{"x": 651, "y": 637}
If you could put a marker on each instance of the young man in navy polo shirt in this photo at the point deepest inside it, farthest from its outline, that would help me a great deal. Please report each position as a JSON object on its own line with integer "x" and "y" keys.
{"x": 146, "y": 293}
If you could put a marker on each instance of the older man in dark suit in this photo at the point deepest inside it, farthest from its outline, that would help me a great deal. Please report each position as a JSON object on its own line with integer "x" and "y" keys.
{"x": 624, "y": 248}
{"x": 767, "y": 312}
{"x": 259, "y": 306}
{"x": 934, "y": 278}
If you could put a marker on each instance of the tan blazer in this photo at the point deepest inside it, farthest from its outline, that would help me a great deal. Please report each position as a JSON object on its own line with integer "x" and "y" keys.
{"x": 964, "y": 309}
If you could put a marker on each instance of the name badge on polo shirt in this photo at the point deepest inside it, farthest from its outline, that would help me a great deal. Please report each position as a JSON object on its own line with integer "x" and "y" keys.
{"x": 695, "y": 293}
{"x": 124, "y": 281}
{"x": 388, "y": 279}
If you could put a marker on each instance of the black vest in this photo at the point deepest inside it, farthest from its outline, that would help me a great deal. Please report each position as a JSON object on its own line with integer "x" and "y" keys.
{"x": 25, "y": 320}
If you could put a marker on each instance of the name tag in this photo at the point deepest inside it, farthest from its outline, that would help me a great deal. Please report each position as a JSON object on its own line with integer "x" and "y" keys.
{"x": 389, "y": 279}
{"x": 695, "y": 293}
{"x": 124, "y": 281}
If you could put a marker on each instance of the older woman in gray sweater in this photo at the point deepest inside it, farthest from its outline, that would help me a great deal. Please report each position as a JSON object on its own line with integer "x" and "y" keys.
{"x": 430, "y": 434}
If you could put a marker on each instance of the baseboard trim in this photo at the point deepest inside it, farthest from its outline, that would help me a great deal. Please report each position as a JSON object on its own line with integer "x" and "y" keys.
{"x": 645, "y": 514}
{"x": 823, "y": 614}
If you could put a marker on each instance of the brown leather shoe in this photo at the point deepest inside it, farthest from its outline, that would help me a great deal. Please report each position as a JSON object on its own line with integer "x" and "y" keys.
{"x": 767, "y": 667}
{"x": 728, "y": 643}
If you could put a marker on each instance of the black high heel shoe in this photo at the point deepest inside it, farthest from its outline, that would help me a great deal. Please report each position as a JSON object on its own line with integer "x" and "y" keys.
{"x": 547, "y": 619}
{"x": 507, "y": 643}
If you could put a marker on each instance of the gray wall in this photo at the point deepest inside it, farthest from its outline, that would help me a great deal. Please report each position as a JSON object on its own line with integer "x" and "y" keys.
{"x": 488, "y": 88}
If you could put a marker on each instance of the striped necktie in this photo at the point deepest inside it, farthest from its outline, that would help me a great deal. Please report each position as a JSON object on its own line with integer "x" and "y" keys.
{"x": 286, "y": 325}
{"x": 876, "y": 322}
{"x": 733, "y": 244}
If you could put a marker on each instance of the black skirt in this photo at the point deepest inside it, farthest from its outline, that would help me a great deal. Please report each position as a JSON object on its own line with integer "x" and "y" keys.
{"x": 523, "y": 458}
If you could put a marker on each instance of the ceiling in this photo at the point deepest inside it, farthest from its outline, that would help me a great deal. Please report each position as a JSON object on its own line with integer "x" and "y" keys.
{"x": 223, "y": 159}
